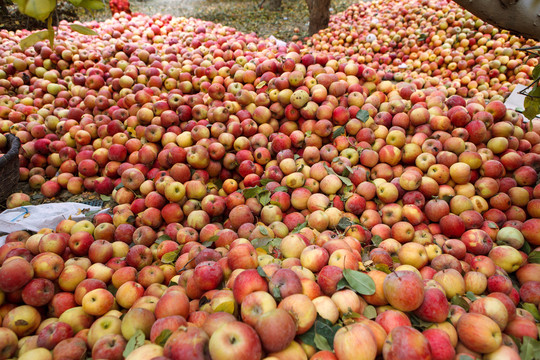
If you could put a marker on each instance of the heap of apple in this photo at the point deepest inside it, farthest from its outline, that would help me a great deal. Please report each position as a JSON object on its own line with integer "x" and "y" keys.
{"x": 273, "y": 202}
{"x": 432, "y": 40}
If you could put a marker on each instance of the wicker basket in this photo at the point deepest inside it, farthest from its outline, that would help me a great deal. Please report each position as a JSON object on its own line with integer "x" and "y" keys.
{"x": 9, "y": 168}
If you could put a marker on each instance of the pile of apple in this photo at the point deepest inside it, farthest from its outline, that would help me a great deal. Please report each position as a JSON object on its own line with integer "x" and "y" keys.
{"x": 436, "y": 41}
{"x": 273, "y": 202}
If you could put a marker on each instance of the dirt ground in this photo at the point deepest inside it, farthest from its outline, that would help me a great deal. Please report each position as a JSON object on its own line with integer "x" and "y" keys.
{"x": 244, "y": 15}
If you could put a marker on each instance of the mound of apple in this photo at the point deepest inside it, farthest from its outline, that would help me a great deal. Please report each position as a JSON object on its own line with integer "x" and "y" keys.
{"x": 270, "y": 202}
{"x": 434, "y": 41}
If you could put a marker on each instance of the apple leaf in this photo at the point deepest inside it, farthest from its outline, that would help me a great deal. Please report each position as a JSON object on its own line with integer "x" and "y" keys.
{"x": 383, "y": 268}
{"x": 261, "y": 84}
{"x": 276, "y": 293}
{"x": 526, "y": 248}
{"x": 465, "y": 357}
{"x": 299, "y": 227}
{"x": 136, "y": 341}
{"x": 534, "y": 257}
{"x": 263, "y": 230}
{"x": 34, "y": 38}
{"x": 162, "y": 238}
{"x": 281, "y": 189}
{"x": 264, "y": 197}
{"x": 344, "y": 223}
{"x": 376, "y": 240}
{"x": 170, "y": 257}
{"x": 105, "y": 197}
{"x": 82, "y": 29}
{"x": 470, "y": 295}
{"x": 226, "y": 306}
{"x": 261, "y": 242}
{"x": 359, "y": 282}
{"x": 75, "y": 2}
{"x": 119, "y": 186}
{"x": 530, "y": 349}
{"x": 338, "y": 132}
{"x": 37, "y": 9}
{"x": 92, "y": 4}
{"x": 536, "y": 72}
{"x": 321, "y": 343}
{"x": 265, "y": 182}
{"x": 459, "y": 301}
{"x": 533, "y": 310}
{"x": 418, "y": 323}
{"x": 370, "y": 312}
{"x": 261, "y": 272}
{"x": 362, "y": 115}
{"x": 163, "y": 337}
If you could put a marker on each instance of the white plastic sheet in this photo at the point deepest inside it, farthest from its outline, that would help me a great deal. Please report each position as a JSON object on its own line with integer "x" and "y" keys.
{"x": 37, "y": 217}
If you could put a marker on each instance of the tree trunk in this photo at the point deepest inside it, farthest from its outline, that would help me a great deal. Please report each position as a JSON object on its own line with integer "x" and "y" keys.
{"x": 319, "y": 15}
{"x": 3, "y": 8}
{"x": 521, "y": 17}
{"x": 272, "y": 5}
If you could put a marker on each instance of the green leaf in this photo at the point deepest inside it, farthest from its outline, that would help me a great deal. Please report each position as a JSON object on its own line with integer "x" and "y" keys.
{"x": 75, "y": 2}
{"x": 533, "y": 310}
{"x": 276, "y": 293}
{"x": 264, "y": 197}
{"x": 163, "y": 337}
{"x": 338, "y": 132}
{"x": 459, "y": 301}
{"x": 376, "y": 240}
{"x": 119, "y": 186}
{"x": 530, "y": 349}
{"x": 362, "y": 115}
{"x": 162, "y": 238}
{"x": 170, "y": 257}
{"x": 342, "y": 284}
{"x": 526, "y": 248}
{"x": 370, "y": 312}
{"x": 422, "y": 37}
{"x": 309, "y": 336}
{"x": 281, "y": 189}
{"x": 327, "y": 331}
{"x": 466, "y": 357}
{"x": 536, "y": 72}
{"x": 492, "y": 225}
{"x": 383, "y": 267}
{"x": 299, "y": 227}
{"x": 359, "y": 282}
{"x": 252, "y": 192}
{"x": 263, "y": 230}
{"x": 105, "y": 197}
{"x": 265, "y": 182}
{"x": 534, "y": 257}
{"x": 92, "y": 4}
{"x": 34, "y": 38}
{"x": 82, "y": 29}
{"x": 344, "y": 223}
{"x": 345, "y": 180}
{"x": 261, "y": 272}
{"x": 261, "y": 243}
{"x": 261, "y": 84}
{"x": 470, "y": 295}
{"x": 37, "y": 9}
{"x": 321, "y": 343}
{"x": 136, "y": 341}
{"x": 532, "y": 106}
{"x": 418, "y": 323}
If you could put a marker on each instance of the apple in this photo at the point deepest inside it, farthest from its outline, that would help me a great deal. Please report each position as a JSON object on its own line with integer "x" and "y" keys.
{"x": 479, "y": 333}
